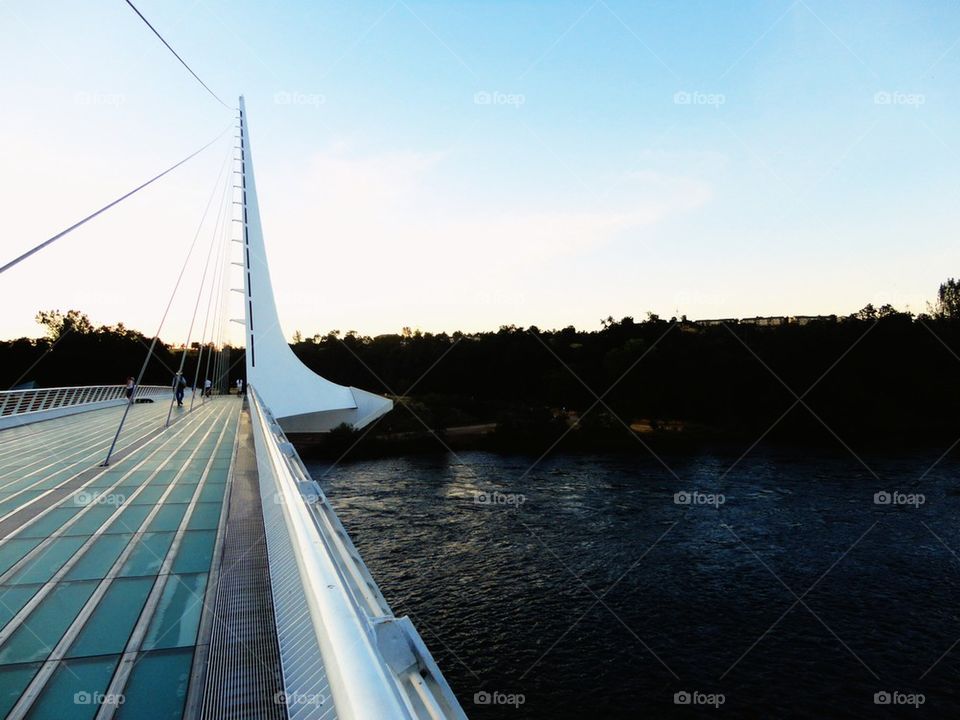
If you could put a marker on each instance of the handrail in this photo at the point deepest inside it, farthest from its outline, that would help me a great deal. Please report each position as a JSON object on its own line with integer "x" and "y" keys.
{"x": 19, "y": 402}
{"x": 377, "y": 665}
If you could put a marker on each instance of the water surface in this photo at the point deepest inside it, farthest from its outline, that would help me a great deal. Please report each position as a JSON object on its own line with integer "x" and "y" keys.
{"x": 583, "y": 585}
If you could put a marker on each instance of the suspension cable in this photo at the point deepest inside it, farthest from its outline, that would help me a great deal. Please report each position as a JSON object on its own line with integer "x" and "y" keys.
{"x": 153, "y": 344}
{"x": 224, "y": 323}
{"x": 73, "y": 227}
{"x": 176, "y": 55}
{"x": 205, "y": 343}
{"x": 217, "y": 332}
{"x": 193, "y": 317}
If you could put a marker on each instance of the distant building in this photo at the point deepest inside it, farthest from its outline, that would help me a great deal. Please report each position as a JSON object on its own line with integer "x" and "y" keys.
{"x": 769, "y": 321}
{"x": 807, "y": 319}
{"x": 722, "y": 321}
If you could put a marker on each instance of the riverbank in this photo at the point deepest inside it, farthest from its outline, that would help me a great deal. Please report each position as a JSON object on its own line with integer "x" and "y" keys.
{"x": 567, "y": 435}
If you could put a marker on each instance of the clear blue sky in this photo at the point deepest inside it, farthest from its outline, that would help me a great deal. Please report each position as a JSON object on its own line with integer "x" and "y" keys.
{"x": 462, "y": 165}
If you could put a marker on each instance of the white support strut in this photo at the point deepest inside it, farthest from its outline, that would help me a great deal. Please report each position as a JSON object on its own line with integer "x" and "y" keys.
{"x": 299, "y": 399}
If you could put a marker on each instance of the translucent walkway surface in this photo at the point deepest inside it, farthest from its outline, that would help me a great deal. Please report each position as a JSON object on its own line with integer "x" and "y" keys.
{"x": 104, "y": 571}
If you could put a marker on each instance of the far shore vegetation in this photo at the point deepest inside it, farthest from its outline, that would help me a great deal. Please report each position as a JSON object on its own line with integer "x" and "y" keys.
{"x": 878, "y": 376}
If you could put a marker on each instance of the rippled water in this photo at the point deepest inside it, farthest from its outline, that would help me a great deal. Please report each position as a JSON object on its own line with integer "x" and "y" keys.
{"x": 600, "y": 596}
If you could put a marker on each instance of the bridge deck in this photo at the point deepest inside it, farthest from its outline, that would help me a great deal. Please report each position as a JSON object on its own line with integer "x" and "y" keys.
{"x": 104, "y": 571}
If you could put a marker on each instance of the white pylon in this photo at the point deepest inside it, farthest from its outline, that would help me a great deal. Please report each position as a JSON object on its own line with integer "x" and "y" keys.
{"x": 298, "y": 398}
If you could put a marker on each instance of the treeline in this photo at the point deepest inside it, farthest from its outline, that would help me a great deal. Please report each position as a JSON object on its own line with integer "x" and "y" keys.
{"x": 869, "y": 376}
{"x": 878, "y": 375}
{"x": 75, "y": 352}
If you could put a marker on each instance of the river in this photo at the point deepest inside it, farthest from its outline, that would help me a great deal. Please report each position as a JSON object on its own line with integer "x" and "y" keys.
{"x": 619, "y": 586}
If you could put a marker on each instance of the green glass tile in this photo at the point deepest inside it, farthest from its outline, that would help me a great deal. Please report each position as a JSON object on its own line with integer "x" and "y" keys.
{"x": 163, "y": 477}
{"x": 130, "y": 519}
{"x": 8, "y": 505}
{"x": 43, "y": 628}
{"x": 217, "y": 476}
{"x": 157, "y": 686}
{"x": 195, "y": 552}
{"x": 76, "y": 690}
{"x": 99, "y": 557}
{"x": 109, "y": 627}
{"x": 177, "y": 616}
{"x": 95, "y": 516}
{"x": 181, "y": 493}
{"x": 12, "y": 599}
{"x": 150, "y": 495}
{"x": 212, "y": 492}
{"x": 105, "y": 480}
{"x": 47, "y": 561}
{"x": 138, "y": 477}
{"x": 206, "y": 516}
{"x": 194, "y": 471}
{"x": 148, "y": 554}
{"x": 168, "y": 517}
{"x": 13, "y": 681}
{"x": 12, "y": 550}
{"x": 49, "y": 523}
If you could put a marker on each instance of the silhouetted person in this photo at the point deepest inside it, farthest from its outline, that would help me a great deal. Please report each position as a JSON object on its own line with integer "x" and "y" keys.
{"x": 179, "y": 385}
{"x": 129, "y": 388}
{"x": 207, "y": 387}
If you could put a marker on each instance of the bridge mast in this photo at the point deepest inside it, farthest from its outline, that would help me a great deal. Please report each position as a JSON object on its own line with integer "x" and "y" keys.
{"x": 298, "y": 398}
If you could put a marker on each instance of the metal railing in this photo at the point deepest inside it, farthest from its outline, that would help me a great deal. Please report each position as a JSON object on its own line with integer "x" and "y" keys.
{"x": 18, "y": 402}
{"x": 376, "y": 664}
